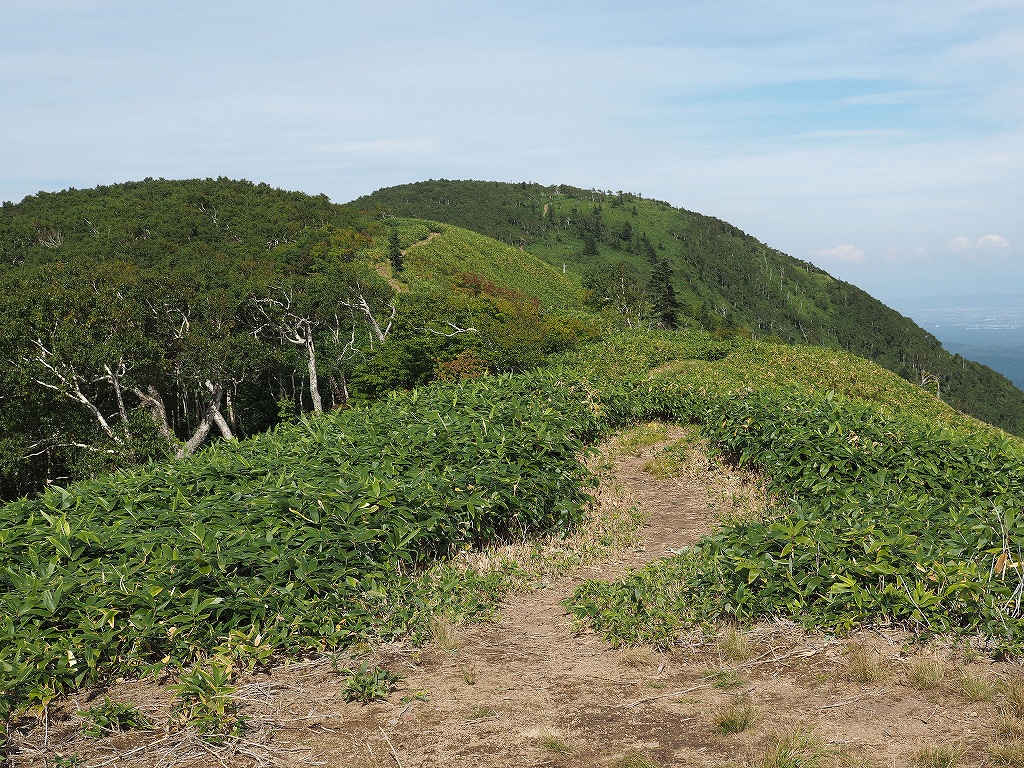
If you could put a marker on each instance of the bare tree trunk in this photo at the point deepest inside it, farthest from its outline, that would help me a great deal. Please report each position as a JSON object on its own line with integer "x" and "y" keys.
{"x": 152, "y": 399}
{"x": 314, "y": 386}
{"x": 115, "y": 382}
{"x": 68, "y": 383}
{"x": 210, "y": 417}
{"x": 378, "y": 333}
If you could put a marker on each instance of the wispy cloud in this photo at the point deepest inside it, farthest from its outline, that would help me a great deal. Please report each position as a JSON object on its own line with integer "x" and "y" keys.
{"x": 880, "y": 123}
{"x": 964, "y": 244}
{"x": 993, "y": 242}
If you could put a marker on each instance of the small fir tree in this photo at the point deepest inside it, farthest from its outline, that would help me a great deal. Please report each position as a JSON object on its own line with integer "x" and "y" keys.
{"x": 395, "y": 253}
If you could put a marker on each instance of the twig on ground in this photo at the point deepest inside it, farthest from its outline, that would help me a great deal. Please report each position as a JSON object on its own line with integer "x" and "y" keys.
{"x": 392, "y": 746}
{"x": 855, "y": 699}
{"x": 664, "y": 695}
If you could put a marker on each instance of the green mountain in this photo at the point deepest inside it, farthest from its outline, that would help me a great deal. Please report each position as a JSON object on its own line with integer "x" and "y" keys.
{"x": 146, "y": 319}
{"x": 182, "y": 310}
{"x": 722, "y": 277}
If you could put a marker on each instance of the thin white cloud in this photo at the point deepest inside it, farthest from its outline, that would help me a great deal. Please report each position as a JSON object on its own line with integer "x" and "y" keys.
{"x": 846, "y": 253}
{"x": 994, "y": 242}
{"x": 990, "y": 242}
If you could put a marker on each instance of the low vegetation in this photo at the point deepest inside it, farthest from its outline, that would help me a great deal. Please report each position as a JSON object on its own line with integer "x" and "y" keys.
{"x": 359, "y": 524}
{"x": 893, "y": 510}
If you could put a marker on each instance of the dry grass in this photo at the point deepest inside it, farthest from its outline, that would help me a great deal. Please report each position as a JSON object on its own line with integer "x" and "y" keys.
{"x": 975, "y": 686}
{"x": 444, "y": 632}
{"x": 925, "y": 673}
{"x": 939, "y": 755}
{"x": 734, "y": 644}
{"x": 639, "y": 657}
{"x": 1013, "y": 696}
{"x": 736, "y": 717}
{"x": 1009, "y": 754}
{"x": 865, "y": 665}
{"x": 798, "y": 748}
{"x": 1008, "y": 726}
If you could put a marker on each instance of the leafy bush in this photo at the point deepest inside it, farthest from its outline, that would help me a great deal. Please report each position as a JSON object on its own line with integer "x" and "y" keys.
{"x": 890, "y": 517}
{"x": 369, "y": 683}
{"x": 111, "y": 717}
{"x": 304, "y": 539}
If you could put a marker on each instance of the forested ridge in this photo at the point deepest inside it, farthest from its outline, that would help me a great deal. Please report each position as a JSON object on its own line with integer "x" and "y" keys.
{"x": 628, "y": 248}
{"x": 143, "y": 320}
{"x": 412, "y": 391}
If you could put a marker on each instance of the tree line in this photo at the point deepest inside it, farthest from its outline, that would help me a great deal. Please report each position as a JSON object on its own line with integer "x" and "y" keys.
{"x": 142, "y": 320}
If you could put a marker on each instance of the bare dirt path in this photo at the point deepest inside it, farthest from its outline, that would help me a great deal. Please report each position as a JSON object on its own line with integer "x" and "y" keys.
{"x": 528, "y": 690}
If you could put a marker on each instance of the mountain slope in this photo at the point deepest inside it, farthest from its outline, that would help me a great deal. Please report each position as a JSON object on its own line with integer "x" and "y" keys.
{"x": 139, "y": 320}
{"x": 444, "y": 257}
{"x": 724, "y": 278}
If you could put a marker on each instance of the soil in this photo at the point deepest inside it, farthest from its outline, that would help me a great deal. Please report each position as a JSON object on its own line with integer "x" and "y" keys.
{"x": 529, "y": 690}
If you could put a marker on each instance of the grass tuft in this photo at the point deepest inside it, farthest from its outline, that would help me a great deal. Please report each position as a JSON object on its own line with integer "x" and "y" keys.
{"x": 639, "y": 657}
{"x": 1013, "y": 696}
{"x": 939, "y": 755}
{"x": 725, "y": 679}
{"x": 636, "y": 760}
{"x": 865, "y": 665}
{"x": 925, "y": 673}
{"x": 734, "y": 644}
{"x": 444, "y": 633}
{"x": 1007, "y": 755}
{"x": 551, "y": 741}
{"x": 632, "y": 441}
{"x": 798, "y": 748}
{"x": 734, "y": 718}
{"x": 976, "y": 687}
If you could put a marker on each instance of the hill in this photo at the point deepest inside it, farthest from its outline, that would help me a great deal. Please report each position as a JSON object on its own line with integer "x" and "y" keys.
{"x": 140, "y": 320}
{"x": 723, "y": 278}
{"x": 380, "y": 522}
{"x": 417, "y": 404}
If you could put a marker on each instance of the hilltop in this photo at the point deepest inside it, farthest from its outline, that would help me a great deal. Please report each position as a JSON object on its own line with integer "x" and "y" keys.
{"x": 145, "y": 319}
{"x": 408, "y": 413}
{"x": 724, "y": 279}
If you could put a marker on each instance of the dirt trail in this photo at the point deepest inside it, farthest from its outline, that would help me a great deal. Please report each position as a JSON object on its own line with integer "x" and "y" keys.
{"x": 527, "y": 691}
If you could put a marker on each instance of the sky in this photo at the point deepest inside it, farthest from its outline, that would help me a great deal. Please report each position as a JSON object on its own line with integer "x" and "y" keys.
{"x": 883, "y": 141}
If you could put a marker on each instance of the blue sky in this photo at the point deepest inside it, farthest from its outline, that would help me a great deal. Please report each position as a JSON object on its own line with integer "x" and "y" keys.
{"x": 883, "y": 141}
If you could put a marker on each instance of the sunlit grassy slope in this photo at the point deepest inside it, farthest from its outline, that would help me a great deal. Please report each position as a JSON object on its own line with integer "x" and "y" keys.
{"x": 445, "y": 256}
{"x": 724, "y": 277}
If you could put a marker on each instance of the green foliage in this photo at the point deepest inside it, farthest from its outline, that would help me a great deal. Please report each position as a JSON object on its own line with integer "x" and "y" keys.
{"x": 202, "y": 700}
{"x": 445, "y": 261}
{"x": 703, "y": 272}
{"x": 895, "y": 509}
{"x": 111, "y": 717}
{"x": 302, "y": 540}
{"x": 395, "y": 255}
{"x": 128, "y": 312}
{"x": 368, "y": 683}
